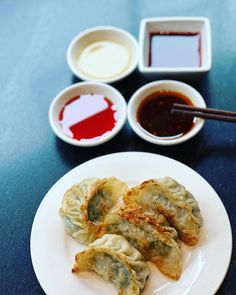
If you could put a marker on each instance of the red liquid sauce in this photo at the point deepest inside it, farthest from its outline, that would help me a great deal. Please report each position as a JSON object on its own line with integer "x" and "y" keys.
{"x": 174, "y": 49}
{"x": 154, "y": 115}
{"x": 87, "y": 117}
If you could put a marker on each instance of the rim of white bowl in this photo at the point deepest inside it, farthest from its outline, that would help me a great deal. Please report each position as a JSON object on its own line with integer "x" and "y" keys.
{"x": 81, "y": 76}
{"x": 120, "y": 122}
{"x": 141, "y": 132}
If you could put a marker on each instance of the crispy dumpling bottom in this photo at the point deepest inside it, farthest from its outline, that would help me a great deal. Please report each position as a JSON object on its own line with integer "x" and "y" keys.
{"x": 177, "y": 210}
{"x": 151, "y": 234}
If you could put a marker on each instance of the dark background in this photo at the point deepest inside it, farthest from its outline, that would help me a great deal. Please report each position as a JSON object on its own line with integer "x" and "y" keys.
{"x": 34, "y": 36}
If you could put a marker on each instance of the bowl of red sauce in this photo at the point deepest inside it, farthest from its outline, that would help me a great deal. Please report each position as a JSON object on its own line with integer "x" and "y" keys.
{"x": 87, "y": 113}
{"x": 150, "y": 112}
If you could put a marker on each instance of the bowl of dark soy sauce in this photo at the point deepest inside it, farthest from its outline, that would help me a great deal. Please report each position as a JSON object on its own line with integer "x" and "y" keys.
{"x": 150, "y": 112}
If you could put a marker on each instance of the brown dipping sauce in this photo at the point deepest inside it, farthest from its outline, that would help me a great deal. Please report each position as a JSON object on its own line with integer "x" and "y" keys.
{"x": 154, "y": 115}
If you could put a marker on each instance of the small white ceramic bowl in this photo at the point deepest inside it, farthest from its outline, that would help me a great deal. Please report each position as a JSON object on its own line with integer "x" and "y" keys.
{"x": 87, "y": 88}
{"x": 179, "y": 25}
{"x": 104, "y": 33}
{"x": 156, "y": 86}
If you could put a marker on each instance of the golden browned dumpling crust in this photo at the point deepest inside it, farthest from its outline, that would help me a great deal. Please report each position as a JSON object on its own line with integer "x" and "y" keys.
{"x": 173, "y": 201}
{"x": 151, "y": 234}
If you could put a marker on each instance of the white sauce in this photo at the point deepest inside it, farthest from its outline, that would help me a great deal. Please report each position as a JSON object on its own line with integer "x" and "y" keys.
{"x": 104, "y": 59}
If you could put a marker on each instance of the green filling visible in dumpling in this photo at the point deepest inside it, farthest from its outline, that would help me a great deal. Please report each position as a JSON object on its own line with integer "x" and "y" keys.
{"x": 94, "y": 213}
{"x": 70, "y": 227}
{"x": 99, "y": 205}
{"x": 137, "y": 235}
{"x": 115, "y": 260}
{"x": 112, "y": 270}
{"x": 163, "y": 249}
{"x": 122, "y": 277}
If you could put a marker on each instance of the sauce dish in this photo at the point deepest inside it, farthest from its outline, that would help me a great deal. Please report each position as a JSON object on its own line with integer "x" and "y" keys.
{"x": 175, "y": 42}
{"x": 105, "y": 54}
{"x": 87, "y": 113}
{"x": 157, "y": 128}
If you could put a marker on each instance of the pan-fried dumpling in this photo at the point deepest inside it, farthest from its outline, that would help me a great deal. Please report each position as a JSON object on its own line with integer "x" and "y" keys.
{"x": 183, "y": 194}
{"x": 116, "y": 260}
{"x": 173, "y": 201}
{"x": 85, "y": 205}
{"x": 151, "y": 234}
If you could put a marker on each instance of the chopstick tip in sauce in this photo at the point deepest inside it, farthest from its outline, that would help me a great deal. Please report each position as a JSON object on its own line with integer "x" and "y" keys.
{"x": 155, "y": 115}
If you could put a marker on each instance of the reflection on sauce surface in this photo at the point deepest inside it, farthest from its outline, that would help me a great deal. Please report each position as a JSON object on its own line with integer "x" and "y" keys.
{"x": 87, "y": 117}
{"x": 173, "y": 49}
{"x": 154, "y": 115}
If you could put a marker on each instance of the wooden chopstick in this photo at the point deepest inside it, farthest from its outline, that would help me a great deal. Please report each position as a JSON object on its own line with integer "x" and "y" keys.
{"x": 205, "y": 113}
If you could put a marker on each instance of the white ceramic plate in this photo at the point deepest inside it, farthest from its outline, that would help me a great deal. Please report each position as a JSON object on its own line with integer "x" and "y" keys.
{"x": 205, "y": 266}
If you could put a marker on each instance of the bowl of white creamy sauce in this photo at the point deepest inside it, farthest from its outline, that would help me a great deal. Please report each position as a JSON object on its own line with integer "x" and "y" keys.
{"x": 105, "y": 54}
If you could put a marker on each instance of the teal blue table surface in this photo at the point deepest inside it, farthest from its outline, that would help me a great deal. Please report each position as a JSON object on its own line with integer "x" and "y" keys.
{"x": 34, "y": 36}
